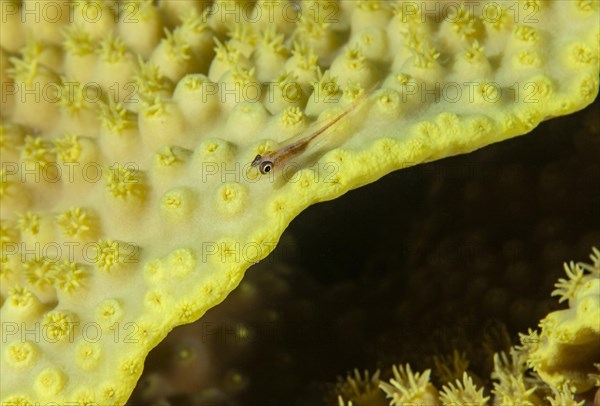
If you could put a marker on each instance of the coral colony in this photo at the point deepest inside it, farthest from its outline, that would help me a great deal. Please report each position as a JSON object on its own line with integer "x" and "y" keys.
{"x": 129, "y": 204}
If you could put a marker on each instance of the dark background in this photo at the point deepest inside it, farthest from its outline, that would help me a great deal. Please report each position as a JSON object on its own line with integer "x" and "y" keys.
{"x": 459, "y": 254}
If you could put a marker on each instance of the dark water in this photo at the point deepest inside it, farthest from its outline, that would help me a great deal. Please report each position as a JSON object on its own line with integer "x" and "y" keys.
{"x": 460, "y": 254}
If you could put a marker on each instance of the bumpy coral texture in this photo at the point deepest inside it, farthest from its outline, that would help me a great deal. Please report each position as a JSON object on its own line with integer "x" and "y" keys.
{"x": 549, "y": 367}
{"x": 127, "y": 128}
{"x": 561, "y": 352}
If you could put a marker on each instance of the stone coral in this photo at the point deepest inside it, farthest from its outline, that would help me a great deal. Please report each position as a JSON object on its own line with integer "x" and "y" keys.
{"x": 354, "y": 290}
{"x": 549, "y": 367}
{"x": 409, "y": 387}
{"x": 121, "y": 212}
{"x": 363, "y": 389}
{"x": 562, "y": 353}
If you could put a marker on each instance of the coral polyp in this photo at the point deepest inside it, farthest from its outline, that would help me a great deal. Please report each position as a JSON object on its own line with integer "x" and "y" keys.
{"x": 128, "y": 128}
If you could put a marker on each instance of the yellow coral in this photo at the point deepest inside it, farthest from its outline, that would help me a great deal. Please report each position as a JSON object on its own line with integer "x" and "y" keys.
{"x": 463, "y": 392}
{"x": 564, "y": 396}
{"x": 171, "y": 221}
{"x": 50, "y": 382}
{"x": 59, "y": 326}
{"x": 542, "y": 370}
{"x": 21, "y": 355}
{"x": 451, "y": 367}
{"x": 409, "y": 387}
{"x": 360, "y": 389}
{"x": 512, "y": 385}
{"x": 564, "y": 350}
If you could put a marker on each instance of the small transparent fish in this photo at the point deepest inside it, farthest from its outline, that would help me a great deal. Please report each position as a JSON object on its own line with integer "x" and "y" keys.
{"x": 275, "y": 159}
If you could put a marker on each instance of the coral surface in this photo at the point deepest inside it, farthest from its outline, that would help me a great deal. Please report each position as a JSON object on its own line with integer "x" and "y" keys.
{"x": 450, "y": 293}
{"x": 549, "y": 367}
{"x": 128, "y": 202}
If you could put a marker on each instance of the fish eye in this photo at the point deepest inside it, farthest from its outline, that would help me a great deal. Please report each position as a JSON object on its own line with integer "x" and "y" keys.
{"x": 265, "y": 167}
